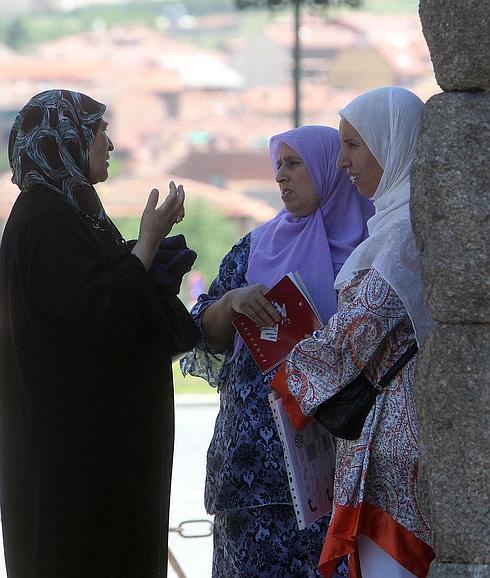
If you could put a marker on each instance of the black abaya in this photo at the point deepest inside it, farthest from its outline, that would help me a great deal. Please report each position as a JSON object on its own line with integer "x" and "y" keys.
{"x": 87, "y": 416}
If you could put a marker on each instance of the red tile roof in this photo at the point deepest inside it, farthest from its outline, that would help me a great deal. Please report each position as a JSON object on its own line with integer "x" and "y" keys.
{"x": 217, "y": 164}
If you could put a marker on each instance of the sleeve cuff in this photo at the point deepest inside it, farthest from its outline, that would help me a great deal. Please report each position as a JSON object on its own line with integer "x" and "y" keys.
{"x": 132, "y": 268}
{"x": 279, "y": 383}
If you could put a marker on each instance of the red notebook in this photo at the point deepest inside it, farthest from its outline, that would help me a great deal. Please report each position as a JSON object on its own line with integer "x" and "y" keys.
{"x": 270, "y": 346}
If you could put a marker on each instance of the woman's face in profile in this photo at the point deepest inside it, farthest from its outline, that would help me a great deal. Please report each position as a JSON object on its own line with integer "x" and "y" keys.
{"x": 364, "y": 170}
{"x": 297, "y": 189}
{"x": 99, "y": 155}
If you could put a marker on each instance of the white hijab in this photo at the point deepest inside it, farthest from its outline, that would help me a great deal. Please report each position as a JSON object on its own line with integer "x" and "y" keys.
{"x": 388, "y": 120}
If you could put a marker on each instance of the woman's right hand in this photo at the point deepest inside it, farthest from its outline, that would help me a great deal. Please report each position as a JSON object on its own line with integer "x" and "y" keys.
{"x": 252, "y": 302}
{"x": 217, "y": 319}
{"x": 157, "y": 222}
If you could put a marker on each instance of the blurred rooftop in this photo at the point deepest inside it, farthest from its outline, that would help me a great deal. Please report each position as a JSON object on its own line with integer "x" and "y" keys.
{"x": 178, "y": 109}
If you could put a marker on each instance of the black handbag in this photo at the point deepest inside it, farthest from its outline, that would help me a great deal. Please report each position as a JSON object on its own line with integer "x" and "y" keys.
{"x": 344, "y": 414}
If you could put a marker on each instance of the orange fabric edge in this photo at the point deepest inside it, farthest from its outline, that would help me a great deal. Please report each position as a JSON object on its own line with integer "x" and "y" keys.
{"x": 348, "y": 522}
{"x": 279, "y": 383}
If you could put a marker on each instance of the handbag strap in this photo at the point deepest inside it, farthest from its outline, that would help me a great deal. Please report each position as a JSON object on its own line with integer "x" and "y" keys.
{"x": 390, "y": 374}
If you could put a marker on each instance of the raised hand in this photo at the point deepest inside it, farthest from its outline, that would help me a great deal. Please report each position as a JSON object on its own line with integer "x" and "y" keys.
{"x": 157, "y": 222}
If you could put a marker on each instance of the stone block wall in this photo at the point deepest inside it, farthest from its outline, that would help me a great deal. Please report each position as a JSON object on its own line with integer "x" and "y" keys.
{"x": 451, "y": 218}
{"x": 451, "y": 205}
{"x": 459, "y": 42}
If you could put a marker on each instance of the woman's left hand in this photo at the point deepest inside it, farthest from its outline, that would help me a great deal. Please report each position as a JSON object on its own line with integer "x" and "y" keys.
{"x": 157, "y": 222}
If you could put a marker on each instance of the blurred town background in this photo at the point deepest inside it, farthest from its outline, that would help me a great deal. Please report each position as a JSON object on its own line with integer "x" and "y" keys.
{"x": 194, "y": 91}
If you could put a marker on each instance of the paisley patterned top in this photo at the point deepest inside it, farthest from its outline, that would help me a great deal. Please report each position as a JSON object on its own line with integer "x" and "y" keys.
{"x": 371, "y": 330}
{"x": 245, "y": 466}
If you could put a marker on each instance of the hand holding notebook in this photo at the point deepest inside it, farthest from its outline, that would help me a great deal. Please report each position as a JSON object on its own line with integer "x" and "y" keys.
{"x": 270, "y": 345}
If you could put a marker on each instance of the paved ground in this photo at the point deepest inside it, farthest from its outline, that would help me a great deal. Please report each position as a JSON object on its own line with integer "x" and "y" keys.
{"x": 194, "y": 426}
{"x": 193, "y": 431}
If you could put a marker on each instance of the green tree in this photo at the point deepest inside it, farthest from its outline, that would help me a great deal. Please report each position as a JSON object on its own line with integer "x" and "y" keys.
{"x": 16, "y": 33}
{"x": 206, "y": 230}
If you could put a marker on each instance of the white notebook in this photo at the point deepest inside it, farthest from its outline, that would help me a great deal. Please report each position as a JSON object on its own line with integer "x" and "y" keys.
{"x": 310, "y": 463}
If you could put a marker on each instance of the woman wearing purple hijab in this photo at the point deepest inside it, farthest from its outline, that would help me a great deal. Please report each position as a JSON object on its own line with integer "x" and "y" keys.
{"x": 323, "y": 220}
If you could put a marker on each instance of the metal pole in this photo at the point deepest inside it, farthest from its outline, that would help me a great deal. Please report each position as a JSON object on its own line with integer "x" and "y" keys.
{"x": 176, "y": 567}
{"x": 297, "y": 64}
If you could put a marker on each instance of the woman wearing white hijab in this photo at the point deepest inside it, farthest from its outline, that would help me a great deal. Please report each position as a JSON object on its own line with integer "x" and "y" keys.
{"x": 377, "y": 518}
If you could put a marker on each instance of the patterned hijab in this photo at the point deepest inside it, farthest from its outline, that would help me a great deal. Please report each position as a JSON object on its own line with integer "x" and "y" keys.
{"x": 49, "y": 147}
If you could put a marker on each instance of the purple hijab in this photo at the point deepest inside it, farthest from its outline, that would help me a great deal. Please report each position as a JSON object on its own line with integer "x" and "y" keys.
{"x": 316, "y": 245}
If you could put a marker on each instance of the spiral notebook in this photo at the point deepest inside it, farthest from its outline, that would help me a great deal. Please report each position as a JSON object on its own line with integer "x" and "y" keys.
{"x": 270, "y": 346}
{"x": 310, "y": 463}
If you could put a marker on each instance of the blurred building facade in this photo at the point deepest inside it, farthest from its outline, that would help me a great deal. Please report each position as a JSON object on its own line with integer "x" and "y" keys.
{"x": 178, "y": 109}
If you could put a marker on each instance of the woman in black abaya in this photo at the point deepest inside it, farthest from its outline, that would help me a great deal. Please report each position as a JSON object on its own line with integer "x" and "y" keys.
{"x": 88, "y": 329}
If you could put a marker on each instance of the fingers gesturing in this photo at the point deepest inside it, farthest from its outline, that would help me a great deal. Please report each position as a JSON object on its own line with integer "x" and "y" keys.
{"x": 157, "y": 222}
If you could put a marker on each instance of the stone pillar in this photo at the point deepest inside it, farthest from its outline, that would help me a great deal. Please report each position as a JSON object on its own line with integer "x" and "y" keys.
{"x": 451, "y": 219}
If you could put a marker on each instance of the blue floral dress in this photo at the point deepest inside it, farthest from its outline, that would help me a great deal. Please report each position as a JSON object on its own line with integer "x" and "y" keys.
{"x": 255, "y": 534}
